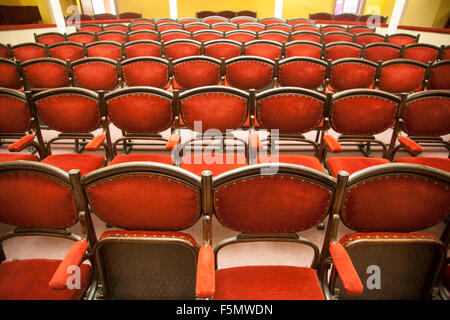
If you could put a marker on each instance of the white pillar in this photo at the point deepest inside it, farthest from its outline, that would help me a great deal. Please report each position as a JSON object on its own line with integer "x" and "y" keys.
{"x": 278, "y": 9}
{"x": 57, "y": 15}
{"x": 397, "y": 15}
{"x": 173, "y": 9}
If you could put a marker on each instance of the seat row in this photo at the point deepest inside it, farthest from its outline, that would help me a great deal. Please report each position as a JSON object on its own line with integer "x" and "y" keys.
{"x": 242, "y": 72}
{"x": 214, "y": 113}
{"x": 148, "y": 256}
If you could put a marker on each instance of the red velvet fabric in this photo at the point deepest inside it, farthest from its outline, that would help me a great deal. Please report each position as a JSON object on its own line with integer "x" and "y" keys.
{"x": 146, "y": 73}
{"x": 181, "y": 50}
{"x": 96, "y": 75}
{"x": 122, "y": 28}
{"x": 438, "y": 163}
{"x": 263, "y": 50}
{"x": 141, "y": 112}
{"x": 73, "y": 258}
{"x": 173, "y": 36}
{"x": 361, "y": 114}
{"x": 66, "y": 52}
{"x": 116, "y": 37}
{"x": 196, "y": 73}
{"x": 169, "y": 27}
{"x": 341, "y": 51}
{"x": 69, "y": 112}
{"x": 46, "y": 75}
{"x": 247, "y": 75}
{"x": 309, "y": 27}
{"x": 445, "y": 54}
{"x": 105, "y": 51}
{"x": 10, "y": 76}
{"x": 141, "y": 201}
{"x": 352, "y": 164}
{"x": 421, "y": 54}
{"x": 346, "y": 270}
{"x": 28, "y": 52}
{"x": 285, "y": 27}
{"x": 440, "y": 78}
{"x": 84, "y": 162}
{"x": 50, "y": 39}
{"x": 195, "y": 27}
{"x": 267, "y": 283}
{"x": 346, "y": 76}
{"x": 310, "y": 162}
{"x": 330, "y": 38}
{"x": 92, "y": 29}
{"x": 404, "y": 203}
{"x": 275, "y": 203}
{"x": 33, "y": 200}
{"x": 399, "y": 78}
{"x": 217, "y": 163}
{"x": 427, "y": 117}
{"x": 410, "y": 145}
{"x": 360, "y": 29}
{"x": 14, "y": 157}
{"x": 274, "y": 36}
{"x": 14, "y": 115}
{"x": 383, "y": 53}
{"x": 224, "y": 27}
{"x": 121, "y": 158}
{"x": 143, "y": 49}
{"x": 206, "y": 36}
{"x": 301, "y": 74}
{"x": 335, "y": 28}
{"x": 306, "y": 37}
{"x": 95, "y": 143}
{"x": 28, "y": 280}
{"x": 143, "y": 36}
{"x": 20, "y": 144}
{"x": 4, "y": 54}
{"x": 205, "y": 286}
{"x": 222, "y": 50}
{"x": 303, "y": 50}
{"x": 219, "y": 111}
{"x": 332, "y": 143}
{"x": 369, "y": 38}
{"x": 81, "y": 38}
{"x": 401, "y": 40}
{"x": 241, "y": 37}
{"x": 252, "y": 27}
{"x": 289, "y": 113}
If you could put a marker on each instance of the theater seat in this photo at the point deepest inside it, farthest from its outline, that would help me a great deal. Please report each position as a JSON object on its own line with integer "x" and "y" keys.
{"x": 84, "y": 162}
{"x": 221, "y": 163}
{"x": 31, "y": 278}
{"x": 161, "y": 158}
{"x": 311, "y": 162}
{"x": 438, "y": 163}
{"x": 352, "y": 164}
{"x": 267, "y": 283}
{"x": 13, "y": 157}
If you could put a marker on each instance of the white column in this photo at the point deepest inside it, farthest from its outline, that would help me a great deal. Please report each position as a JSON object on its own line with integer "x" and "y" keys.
{"x": 278, "y": 9}
{"x": 173, "y": 9}
{"x": 397, "y": 15}
{"x": 57, "y": 15}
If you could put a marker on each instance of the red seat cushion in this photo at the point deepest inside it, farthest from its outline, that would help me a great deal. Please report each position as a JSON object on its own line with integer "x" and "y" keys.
{"x": 17, "y": 156}
{"x": 438, "y": 163}
{"x": 84, "y": 162}
{"x": 195, "y": 163}
{"x": 267, "y": 283}
{"x": 311, "y": 162}
{"x": 161, "y": 158}
{"x": 28, "y": 280}
{"x": 352, "y": 164}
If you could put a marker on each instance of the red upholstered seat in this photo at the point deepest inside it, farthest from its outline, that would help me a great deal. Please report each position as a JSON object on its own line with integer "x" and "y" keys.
{"x": 161, "y": 158}
{"x": 84, "y": 162}
{"x": 352, "y": 164}
{"x": 28, "y": 280}
{"x": 438, "y": 163}
{"x": 13, "y": 157}
{"x": 267, "y": 283}
{"x": 311, "y": 162}
{"x": 196, "y": 163}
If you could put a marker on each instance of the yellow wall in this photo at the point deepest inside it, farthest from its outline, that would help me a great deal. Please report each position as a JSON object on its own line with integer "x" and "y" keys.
{"x": 189, "y": 8}
{"x": 421, "y": 13}
{"x": 148, "y": 8}
{"x": 442, "y": 15}
{"x": 384, "y": 7}
{"x": 303, "y": 8}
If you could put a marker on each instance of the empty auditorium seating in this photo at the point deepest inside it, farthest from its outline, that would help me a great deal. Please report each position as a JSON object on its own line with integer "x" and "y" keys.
{"x": 439, "y": 77}
{"x": 10, "y": 77}
{"x": 303, "y": 72}
{"x": 340, "y": 50}
{"x": 249, "y": 72}
{"x": 196, "y": 71}
{"x": 105, "y": 49}
{"x": 421, "y": 52}
{"x": 402, "y": 39}
{"x": 182, "y": 48}
{"x": 303, "y": 49}
{"x": 143, "y": 35}
{"x": 29, "y": 50}
{"x": 263, "y": 48}
{"x": 352, "y": 73}
{"x": 145, "y": 71}
{"x": 45, "y": 73}
{"x": 381, "y": 52}
{"x": 67, "y": 50}
{"x": 95, "y": 73}
{"x": 82, "y": 37}
{"x": 4, "y": 51}
{"x": 369, "y": 37}
{"x": 142, "y": 48}
{"x": 49, "y": 38}
{"x": 402, "y": 75}
{"x": 222, "y": 48}
{"x": 312, "y": 36}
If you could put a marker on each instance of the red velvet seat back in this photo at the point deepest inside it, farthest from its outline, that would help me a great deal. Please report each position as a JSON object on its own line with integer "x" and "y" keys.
{"x": 421, "y": 53}
{"x": 360, "y": 29}
{"x": 207, "y": 35}
{"x": 33, "y": 198}
{"x": 401, "y": 76}
{"x": 250, "y": 73}
{"x": 14, "y": 113}
{"x": 95, "y": 74}
{"x": 214, "y": 19}
{"x": 145, "y": 71}
{"x": 46, "y": 73}
{"x": 116, "y": 27}
{"x": 363, "y": 112}
{"x": 306, "y": 36}
{"x": 50, "y": 38}
{"x": 142, "y": 27}
{"x": 381, "y": 52}
{"x": 333, "y": 28}
{"x": 196, "y": 72}
{"x": 4, "y": 53}
{"x": 297, "y": 21}
{"x": 303, "y": 49}
{"x": 445, "y": 55}
{"x": 218, "y": 108}
{"x": 143, "y": 35}
{"x": 401, "y": 39}
{"x": 242, "y": 19}
{"x": 272, "y": 203}
{"x": 240, "y": 36}
{"x": 306, "y": 27}
{"x": 427, "y": 114}
{"x": 181, "y": 48}
{"x": 280, "y": 27}
{"x": 440, "y": 76}
{"x": 271, "y": 20}
{"x": 174, "y": 35}
{"x": 185, "y": 21}
{"x": 169, "y": 26}
{"x": 404, "y": 201}
{"x": 105, "y": 49}
{"x": 10, "y": 75}
{"x": 116, "y": 36}
{"x": 28, "y": 51}
{"x": 337, "y": 37}
{"x": 90, "y": 28}
{"x": 196, "y": 26}
{"x": 224, "y": 26}
{"x": 290, "y": 111}
{"x": 352, "y": 74}
{"x": 342, "y": 50}
{"x": 134, "y": 110}
{"x": 273, "y": 35}
{"x": 255, "y": 27}
{"x": 266, "y": 49}
{"x": 368, "y": 38}
{"x": 143, "y": 48}
{"x": 81, "y": 37}
{"x": 223, "y": 49}
{"x": 68, "y": 109}
{"x": 302, "y": 72}
{"x": 66, "y": 51}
